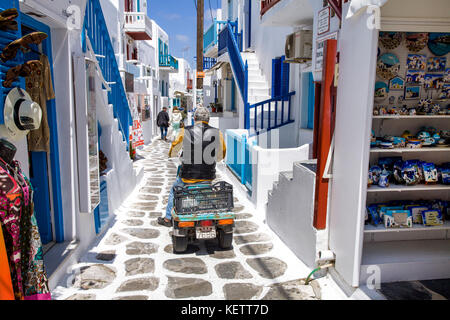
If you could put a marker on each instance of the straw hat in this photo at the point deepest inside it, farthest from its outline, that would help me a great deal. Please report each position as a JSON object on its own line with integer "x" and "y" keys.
{"x": 20, "y": 114}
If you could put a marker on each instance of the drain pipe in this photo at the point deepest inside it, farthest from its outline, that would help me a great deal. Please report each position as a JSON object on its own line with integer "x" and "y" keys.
{"x": 326, "y": 260}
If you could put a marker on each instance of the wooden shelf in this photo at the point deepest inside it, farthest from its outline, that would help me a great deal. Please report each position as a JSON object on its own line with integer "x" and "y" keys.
{"x": 398, "y": 117}
{"x": 417, "y": 227}
{"x": 410, "y": 150}
{"x": 403, "y": 188}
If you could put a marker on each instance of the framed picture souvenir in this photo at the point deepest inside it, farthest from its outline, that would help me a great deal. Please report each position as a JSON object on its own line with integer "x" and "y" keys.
{"x": 434, "y": 81}
{"x": 447, "y": 75}
{"x": 397, "y": 83}
{"x": 436, "y": 64}
{"x": 391, "y": 40}
{"x": 439, "y": 43}
{"x": 416, "y": 77}
{"x": 388, "y": 66}
{"x": 416, "y": 62}
{"x": 416, "y": 41}
{"x": 412, "y": 92}
{"x": 381, "y": 91}
{"x": 445, "y": 94}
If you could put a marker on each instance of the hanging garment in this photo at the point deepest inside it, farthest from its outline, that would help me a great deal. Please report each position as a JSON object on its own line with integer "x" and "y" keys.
{"x": 23, "y": 242}
{"x": 11, "y": 204}
{"x": 6, "y": 287}
{"x": 39, "y": 86}
{"x": 35, "y": 282}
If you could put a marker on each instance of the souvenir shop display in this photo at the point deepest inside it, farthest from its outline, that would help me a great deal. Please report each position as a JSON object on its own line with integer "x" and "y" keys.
{"x": 415, "y": 41}
{"x": 20, "y": 230}
{"x": 10, "y": 51}
{"x": 390, "y": 40}
{"x": 426, "y": 137}
{"x": 388, "y": 66}
{"x": 410, "y": 173}
{"x": 416, "y": 62}
{"x": 8, "y": 20}
{"x": 439, "y": 43}
{"x": 436, "y": 64}
{"x": 408, "y": 213}
{"x": 21, "y": 114}
{"x": 24, "y": 70}
{"x": 381, "y": 91}
{"x": 397, "y": 83}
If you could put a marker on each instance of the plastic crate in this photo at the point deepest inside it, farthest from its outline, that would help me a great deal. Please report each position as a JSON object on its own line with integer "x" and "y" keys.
{"x": 203, "y": 198}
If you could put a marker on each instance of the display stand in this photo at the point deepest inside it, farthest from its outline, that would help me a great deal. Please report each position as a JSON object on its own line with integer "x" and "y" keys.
{"x": 420, "y": 252}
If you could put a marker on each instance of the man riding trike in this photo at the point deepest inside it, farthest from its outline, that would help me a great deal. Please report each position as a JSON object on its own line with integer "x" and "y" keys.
{"x": 199, "y": 208}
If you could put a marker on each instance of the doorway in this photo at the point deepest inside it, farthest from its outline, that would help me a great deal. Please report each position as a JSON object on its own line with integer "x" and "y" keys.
{"x": 44, "y": 165}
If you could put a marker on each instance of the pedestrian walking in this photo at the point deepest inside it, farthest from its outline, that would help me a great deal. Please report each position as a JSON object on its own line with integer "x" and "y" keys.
{"x": 162, "y": 121}
{"x": 175, "y": 124}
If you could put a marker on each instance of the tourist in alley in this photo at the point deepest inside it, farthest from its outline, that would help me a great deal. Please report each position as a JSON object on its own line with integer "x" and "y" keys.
{"x": 163, "y": 123}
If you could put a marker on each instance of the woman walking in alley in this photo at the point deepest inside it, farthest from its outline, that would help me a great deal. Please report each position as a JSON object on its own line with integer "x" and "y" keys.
{"x": 175, "y": 123}
{"x": 162, "y": 121}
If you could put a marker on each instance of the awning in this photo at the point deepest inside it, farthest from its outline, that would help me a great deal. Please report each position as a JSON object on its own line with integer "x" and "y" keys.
{"x": 217, "y": 66}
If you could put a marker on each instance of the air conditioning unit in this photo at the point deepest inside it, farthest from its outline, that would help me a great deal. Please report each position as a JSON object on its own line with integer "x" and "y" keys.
{"x": 299, "y": 46}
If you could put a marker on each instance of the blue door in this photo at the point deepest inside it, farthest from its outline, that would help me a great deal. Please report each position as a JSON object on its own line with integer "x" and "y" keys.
{"x": 45, "y": 175}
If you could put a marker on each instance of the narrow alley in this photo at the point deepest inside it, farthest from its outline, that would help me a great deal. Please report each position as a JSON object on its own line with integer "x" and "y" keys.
{"x": 134, "y": 258}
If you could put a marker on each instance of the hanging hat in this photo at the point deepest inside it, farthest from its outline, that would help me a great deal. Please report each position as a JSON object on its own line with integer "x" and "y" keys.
{"x": 20, "y": 114}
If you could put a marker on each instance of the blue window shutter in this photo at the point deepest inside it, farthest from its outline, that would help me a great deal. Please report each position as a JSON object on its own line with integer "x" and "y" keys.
{"x": 276, "y": 77}
{"x": 285, "y": 68}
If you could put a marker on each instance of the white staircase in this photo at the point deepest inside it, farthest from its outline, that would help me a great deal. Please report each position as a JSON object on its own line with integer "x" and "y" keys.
{"x": 290, "y": 211}
{"x": 259, "y": 89}
{"x": 123, "y": 177}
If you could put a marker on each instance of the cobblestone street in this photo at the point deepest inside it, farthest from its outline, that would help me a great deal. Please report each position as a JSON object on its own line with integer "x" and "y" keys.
{"x": 134, "y": 260}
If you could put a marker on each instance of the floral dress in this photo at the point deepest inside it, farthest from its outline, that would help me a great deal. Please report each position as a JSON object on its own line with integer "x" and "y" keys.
{"x": 22, "y": 238}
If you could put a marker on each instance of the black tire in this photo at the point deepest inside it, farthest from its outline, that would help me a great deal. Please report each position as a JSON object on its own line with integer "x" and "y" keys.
{"x": 225, "y": 240}
{"x": 180, "y": 244}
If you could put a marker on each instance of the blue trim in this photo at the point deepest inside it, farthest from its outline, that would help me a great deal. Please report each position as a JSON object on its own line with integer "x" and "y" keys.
{"x": 53, "y": 124}
{"x": 233, "y": 95}
{"x": 311, "y": 101}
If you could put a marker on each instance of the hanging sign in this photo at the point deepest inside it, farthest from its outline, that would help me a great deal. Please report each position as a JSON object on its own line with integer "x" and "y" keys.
{"x": 323, "y": 25}
{"x": 320, "y": 47}
{"x": 137, "y": 134}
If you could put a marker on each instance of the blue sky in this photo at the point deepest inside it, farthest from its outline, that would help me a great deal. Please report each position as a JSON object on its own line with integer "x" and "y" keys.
{"x": 179, "y": 19}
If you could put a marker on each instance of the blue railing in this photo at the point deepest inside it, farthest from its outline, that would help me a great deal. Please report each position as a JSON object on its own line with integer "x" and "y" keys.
{"x": 166, "y": 60}
{"x": 278, "y": 114}
{"x": 208, "y": 63}
{"x": 227, "y": 41}
{"x": 210, "y": 38}
{"x": 96, "y": 30}
{"x": 239, "y": 157}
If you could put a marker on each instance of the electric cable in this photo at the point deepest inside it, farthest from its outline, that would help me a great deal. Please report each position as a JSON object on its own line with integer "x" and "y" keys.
{"x": 210, "y": 11}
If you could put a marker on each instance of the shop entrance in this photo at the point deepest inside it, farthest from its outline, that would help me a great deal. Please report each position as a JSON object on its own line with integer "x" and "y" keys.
{"x": 44, "y": 157}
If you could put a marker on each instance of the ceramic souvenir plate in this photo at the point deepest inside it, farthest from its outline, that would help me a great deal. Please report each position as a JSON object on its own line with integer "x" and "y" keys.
{"x": 388, "y": 66}
{"x": 439, "y": 43}
{"x": 391, "y": 40}
{"x": 415, "y": 42}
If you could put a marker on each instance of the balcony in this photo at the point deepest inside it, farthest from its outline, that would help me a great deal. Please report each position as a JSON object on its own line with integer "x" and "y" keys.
{"x": 168, "y": 63}
{"x": 211, "y": 38}
{"x": 267, "y": 4}
{"x": 138, "y": 26}
{"x": 286, "y": 12}
{"x": 208, "y": 63}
